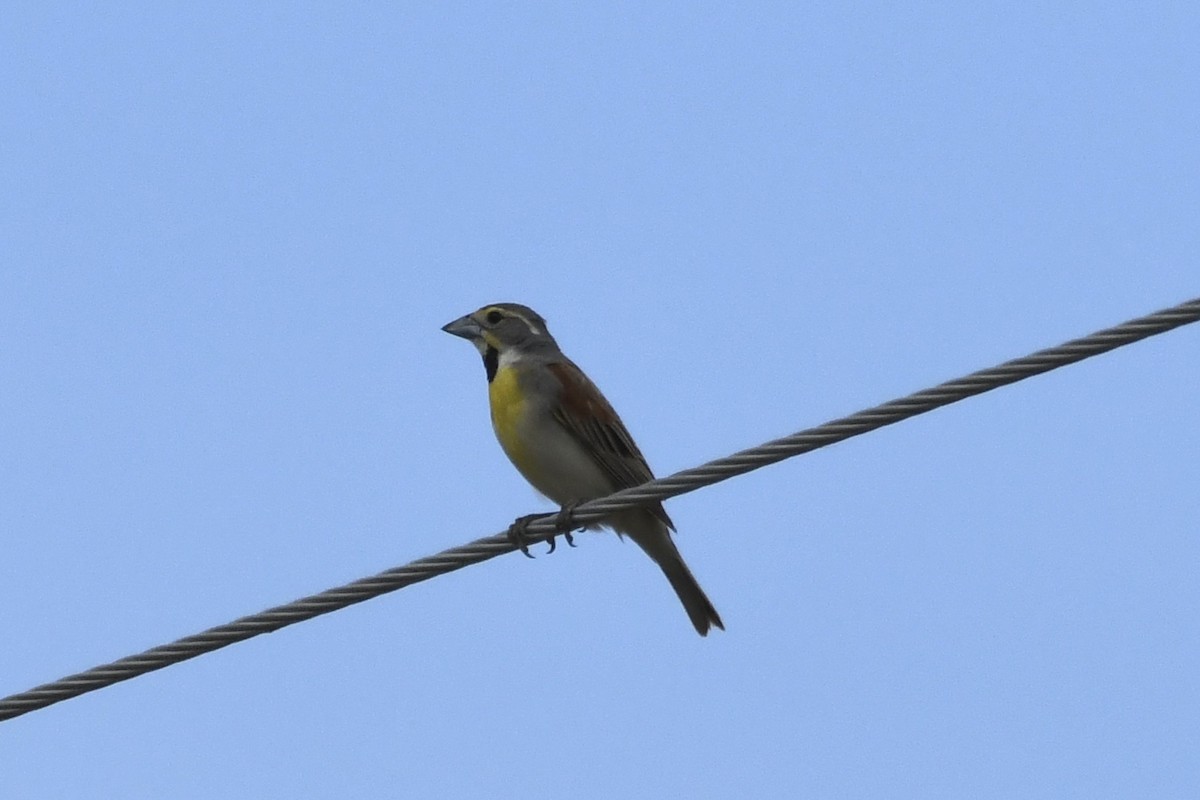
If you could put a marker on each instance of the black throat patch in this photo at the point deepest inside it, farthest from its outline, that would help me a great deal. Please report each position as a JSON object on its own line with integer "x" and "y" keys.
{"x": 491, "y": 362}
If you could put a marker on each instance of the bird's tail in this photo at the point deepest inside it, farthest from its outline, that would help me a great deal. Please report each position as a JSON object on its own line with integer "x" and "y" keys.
{"x": 695, "y": 602}
{"x": 655, "y": 539}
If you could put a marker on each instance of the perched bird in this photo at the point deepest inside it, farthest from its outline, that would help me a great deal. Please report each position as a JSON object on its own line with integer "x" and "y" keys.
{"x": 565, "y": 439}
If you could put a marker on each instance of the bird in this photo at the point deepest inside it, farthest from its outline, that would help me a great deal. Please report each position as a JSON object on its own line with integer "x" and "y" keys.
{"x": 566, "y": 440}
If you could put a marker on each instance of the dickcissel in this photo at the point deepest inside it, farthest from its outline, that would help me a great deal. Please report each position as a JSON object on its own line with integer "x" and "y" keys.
{"x": 565, "y": 438}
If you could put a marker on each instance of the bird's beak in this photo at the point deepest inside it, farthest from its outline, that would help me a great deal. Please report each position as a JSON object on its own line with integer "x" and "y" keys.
{"x": 465, "y": 327}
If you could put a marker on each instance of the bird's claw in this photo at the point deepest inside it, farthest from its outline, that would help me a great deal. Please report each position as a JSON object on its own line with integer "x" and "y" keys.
{"x": 518, "y": 532}
{"x": 554, "y": 536}
{"x": 563, "y": 522}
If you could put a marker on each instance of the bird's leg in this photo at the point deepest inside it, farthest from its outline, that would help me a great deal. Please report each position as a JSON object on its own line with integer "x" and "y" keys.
{"x": 563, "y": 521}
{"x": 518, "y": 532}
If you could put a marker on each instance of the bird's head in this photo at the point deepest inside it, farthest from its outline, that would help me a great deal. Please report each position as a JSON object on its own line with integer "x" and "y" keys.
{"x": 505, "y": 331}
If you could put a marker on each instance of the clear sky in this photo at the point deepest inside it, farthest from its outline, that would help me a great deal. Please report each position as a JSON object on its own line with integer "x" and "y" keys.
{"x": 229, "y": 236}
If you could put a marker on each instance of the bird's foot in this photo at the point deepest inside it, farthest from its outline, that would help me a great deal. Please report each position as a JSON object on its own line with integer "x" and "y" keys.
{"x": 518, "y": 532}
{"x": 564, "y": 523}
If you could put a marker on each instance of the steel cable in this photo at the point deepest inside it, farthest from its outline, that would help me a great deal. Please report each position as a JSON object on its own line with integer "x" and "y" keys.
{"x": 680, "y": 483}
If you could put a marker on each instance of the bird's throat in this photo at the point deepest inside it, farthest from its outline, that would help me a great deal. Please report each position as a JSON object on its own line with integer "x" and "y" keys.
{"x": 491, "y": 362}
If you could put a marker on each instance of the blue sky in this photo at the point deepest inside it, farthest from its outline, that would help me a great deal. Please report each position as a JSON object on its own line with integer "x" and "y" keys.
{"x": 230, "y": 237}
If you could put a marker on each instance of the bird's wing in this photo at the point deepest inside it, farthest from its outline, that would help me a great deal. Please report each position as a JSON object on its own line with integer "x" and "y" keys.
{"x": 588, "y": 416}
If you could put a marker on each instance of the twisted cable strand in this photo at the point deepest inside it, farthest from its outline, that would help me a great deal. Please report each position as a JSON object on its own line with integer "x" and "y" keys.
{"x": 539, "y": 530}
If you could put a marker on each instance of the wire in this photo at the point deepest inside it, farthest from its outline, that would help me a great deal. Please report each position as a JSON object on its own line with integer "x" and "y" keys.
{"x": 539, "y": 530}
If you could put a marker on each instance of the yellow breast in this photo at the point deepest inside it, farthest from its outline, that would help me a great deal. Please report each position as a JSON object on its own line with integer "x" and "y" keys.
{"x": 508, "y": 411}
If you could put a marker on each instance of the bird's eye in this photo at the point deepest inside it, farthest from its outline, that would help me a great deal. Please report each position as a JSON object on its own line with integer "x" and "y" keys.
{"x": 493, "y": 317}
